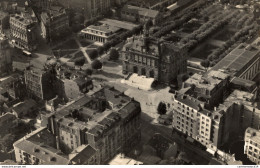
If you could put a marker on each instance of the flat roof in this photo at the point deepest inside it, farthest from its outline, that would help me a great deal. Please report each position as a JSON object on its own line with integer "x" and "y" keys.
{"x": 140, "y": 11}
{"x": 238, "y": 59}
{"x": 118, "y": 23}
{"x": 104, "y": 28}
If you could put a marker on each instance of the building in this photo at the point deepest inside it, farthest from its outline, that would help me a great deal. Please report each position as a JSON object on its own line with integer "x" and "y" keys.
{"x": 90, "y": 8}
{"x": 154, "y": 59}
{"x": 39, "y": 147}
{"x": 23, "y": 32}
{"x": 28, "y": 107}
{"x": 90, "y": 130}
{"x": 101, "y": 34}
{"x": 39, "y": 83}
{"x": 121, "y": 159}
{"x": 252, "y": 145}
{"x": 210, "y": 128}
{"x": 54, "y": 23}
{"x": 138, "y": 14}
{"x": 212, "y": 87}
{"x": 14, "y": 87}
{"x": 5, "y": 56}
{"x": 77, "y": 87}
{"x": 8, "y": 121}
{"x": 250, "y": 116}
{"x": 4, "y": 21}
{"x": 242, "y": 62}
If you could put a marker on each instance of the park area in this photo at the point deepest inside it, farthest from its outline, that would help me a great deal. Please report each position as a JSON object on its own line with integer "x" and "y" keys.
{"x": 210, "y": 31}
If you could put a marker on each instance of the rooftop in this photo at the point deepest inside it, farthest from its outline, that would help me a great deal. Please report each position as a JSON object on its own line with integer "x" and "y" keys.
{"x": 207, "y": 81}
{"x": 103, "y": 28}
{"x": 140, "y": 11}
{"x": 241, "y": 96}
{"x": 118, "y": 23}
{"x": 120, "y": 159}
{"x": 254, "y": 134}
{"x": 24, "y": 106}
{"x": 35, "y": 147}
{"x": 22, "y": 19}
{"x": 83, "y": 153}
{"x": 238, "y": 59}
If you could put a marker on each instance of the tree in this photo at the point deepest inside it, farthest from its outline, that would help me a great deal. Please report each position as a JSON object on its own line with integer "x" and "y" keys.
{"x": 205, "y": 64}
{"x": 161, "y": 109}
{"x": 96, "y": 64}
{"x": 79, "y": 61}
{"x": 114, "y": 54}
{"x": 88, "y": 72}
{"x": 100, "y": 50}
{"x": 6, "y": 142}
{"x": 93, "y": 54}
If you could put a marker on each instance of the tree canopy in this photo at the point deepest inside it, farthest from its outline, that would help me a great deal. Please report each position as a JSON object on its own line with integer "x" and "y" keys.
{"x": 96, "y": 64}
{"x": 114, "y": 54}
{"x": 161, "y": 109}
{"x": 79, "y": 61}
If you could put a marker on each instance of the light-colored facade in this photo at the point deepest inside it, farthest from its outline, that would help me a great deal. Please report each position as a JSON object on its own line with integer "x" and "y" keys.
{"x": 252, "y": 145}
{"x": 101, "y": 34}
{"x": 210, "y": 128}
{"x": 23, "y": 32}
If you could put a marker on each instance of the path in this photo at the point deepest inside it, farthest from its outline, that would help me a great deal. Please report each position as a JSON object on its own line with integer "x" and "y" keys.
{"x": 82, "y": 49}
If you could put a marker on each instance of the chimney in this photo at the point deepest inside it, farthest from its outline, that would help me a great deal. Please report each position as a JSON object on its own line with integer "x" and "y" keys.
{"x": 57, "y": 143}
{"x": 215, "y": 108}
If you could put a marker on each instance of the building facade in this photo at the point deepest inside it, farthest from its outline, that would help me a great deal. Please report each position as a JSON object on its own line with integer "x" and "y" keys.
{"x": 153, "y": 59}
{"x": 252, "y": 143}
{"x": 212, "y": 87}
{"x": 138, "y": 14}
{"x": 5, "y": 57}
{"x": 101, "y": 34}
{"x": 54, "y": 23}
{"x": 39, "y": 83}
{"x": 23, "y": 32}
{"x": 210, "y": 128}
{"x": 90, "y": 130}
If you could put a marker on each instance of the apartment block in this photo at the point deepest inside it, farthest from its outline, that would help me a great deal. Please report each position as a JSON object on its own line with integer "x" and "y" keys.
{"x": 210, "y": 128}
{"x": 89, "y": 130}
{"x": 54, "y": 23}
{"x": 252, "y": 145}
{"x": 39, "y": 83}
{"x": 23, "y": 32}
{"x": 211, "y": 88}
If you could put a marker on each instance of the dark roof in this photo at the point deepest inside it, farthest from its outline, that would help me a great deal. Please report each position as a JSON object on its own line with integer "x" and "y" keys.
{"x": 238, "y": 59}
{"x": 84, "y": 155}
{"x": 189, "y": 101}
